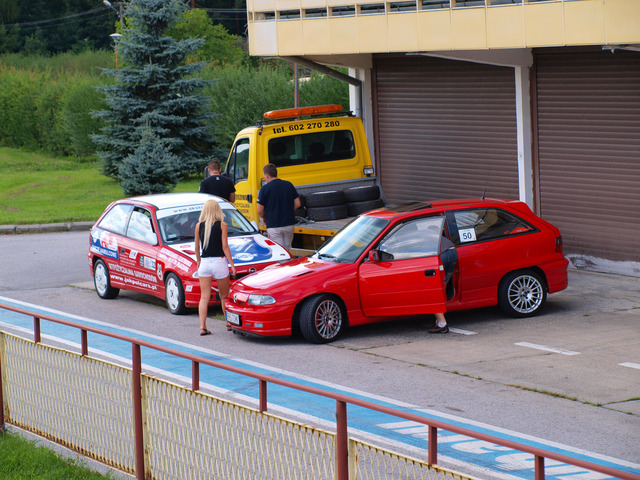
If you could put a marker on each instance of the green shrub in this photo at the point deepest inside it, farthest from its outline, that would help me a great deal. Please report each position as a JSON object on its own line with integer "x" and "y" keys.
{"x": 241, "y": 95}
{"x": 76, "y": 121}
{"x": 18, "y": 119}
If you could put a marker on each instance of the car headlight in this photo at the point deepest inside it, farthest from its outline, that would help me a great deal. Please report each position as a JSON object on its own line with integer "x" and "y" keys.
{"x": 261, "y": 300}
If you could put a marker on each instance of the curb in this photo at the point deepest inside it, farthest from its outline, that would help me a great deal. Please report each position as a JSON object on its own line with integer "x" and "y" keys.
{"x": 46, "y": 227}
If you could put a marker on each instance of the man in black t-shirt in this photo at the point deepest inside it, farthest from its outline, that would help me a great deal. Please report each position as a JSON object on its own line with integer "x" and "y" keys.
{"x": 217, "y": 184}
{"x": 278, "y": 201}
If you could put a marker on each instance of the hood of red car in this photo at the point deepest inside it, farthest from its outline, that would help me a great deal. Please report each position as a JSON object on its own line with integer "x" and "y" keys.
{"x": 285, "y": 273}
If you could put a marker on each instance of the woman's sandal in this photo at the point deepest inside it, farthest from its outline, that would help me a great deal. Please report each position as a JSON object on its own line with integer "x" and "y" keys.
{"x": 229, "y": 328}
{"x": 204, "y": 331}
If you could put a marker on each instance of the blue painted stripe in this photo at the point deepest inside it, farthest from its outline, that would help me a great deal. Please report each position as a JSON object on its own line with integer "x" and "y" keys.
{"x": 502, "y": 461}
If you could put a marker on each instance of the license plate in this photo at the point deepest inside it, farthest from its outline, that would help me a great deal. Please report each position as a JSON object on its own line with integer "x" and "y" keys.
{"x": 233, "y": 318}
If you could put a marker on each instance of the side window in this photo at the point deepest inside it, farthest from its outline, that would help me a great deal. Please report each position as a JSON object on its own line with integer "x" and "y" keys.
{"x": 413, "y": 239}
{"x": 140, "y": 227}
{"x": 116, "y": 219}
{"x": 486, "y": 224}
{"x": 237, "y": 168}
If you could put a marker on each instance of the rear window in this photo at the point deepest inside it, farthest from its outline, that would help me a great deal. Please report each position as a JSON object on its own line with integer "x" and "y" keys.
{"x": 311, "y": 148}
{"x": 485, "y": 224}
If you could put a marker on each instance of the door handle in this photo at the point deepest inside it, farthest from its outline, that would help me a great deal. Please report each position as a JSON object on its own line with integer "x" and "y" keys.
{"x": 430, "y": 273}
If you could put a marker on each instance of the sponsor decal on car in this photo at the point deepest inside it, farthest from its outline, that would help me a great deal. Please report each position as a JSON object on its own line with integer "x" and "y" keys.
{"x": 129, "y": 272}
{"x": 169, "y": 257}
{"x": 104, "y": 244}
{"x": 248, "y": 250}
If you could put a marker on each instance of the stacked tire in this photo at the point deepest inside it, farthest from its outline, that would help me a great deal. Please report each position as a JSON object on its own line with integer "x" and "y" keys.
{"x": 337, "y": 204}
{"x": 362, "y": 199}
{"x": 328, "y": 205}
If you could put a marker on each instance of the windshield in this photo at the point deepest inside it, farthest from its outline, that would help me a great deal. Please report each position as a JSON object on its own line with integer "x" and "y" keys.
{"x": 179, "y": 226}
{"x": 349, "y": 243}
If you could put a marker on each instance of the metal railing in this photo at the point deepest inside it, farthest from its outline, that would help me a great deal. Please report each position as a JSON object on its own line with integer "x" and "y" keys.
{"x": 131, "y": 408}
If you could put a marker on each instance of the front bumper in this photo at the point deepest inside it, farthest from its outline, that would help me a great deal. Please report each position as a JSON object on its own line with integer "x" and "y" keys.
{"x": 262, "y": 320}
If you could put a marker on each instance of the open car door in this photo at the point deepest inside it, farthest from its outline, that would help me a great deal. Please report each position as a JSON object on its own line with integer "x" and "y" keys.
{"x": 403, "y": 273}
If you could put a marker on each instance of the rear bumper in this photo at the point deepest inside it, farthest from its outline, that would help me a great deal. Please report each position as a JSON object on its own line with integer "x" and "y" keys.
{"x": 556, "y": 273}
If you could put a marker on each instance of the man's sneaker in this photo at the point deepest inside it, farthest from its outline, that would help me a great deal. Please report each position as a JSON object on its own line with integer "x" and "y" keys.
{"x": 437, "y": 329}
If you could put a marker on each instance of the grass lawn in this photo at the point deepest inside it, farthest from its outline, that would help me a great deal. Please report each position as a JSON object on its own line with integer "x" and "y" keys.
{"x": 21, "y": 459}
{"x": 35, "y": 188}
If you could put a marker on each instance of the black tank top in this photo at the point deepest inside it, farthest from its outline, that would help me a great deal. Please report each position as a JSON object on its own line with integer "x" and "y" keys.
{"x": 214, "y": 248}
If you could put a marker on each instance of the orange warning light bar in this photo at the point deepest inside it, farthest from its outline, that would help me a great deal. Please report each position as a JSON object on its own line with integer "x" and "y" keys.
{"x": 301, "y": 112}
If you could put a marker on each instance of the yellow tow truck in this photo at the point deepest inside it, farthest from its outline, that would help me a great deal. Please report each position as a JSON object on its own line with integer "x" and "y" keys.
{"x": 324, "y": 153}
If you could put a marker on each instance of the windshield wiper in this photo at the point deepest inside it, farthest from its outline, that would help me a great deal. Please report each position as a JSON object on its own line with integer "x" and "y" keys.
{"x": 328, "y": 257}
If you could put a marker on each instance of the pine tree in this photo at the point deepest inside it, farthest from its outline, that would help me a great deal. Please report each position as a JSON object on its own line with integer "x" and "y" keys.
{"x": 156, "y": 95}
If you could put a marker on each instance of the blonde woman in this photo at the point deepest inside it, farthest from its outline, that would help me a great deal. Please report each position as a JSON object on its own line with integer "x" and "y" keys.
{"x": 211, "y": 237}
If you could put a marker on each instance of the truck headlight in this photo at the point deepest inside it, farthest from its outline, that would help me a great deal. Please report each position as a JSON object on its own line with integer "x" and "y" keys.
{"x": 261, "y": 300}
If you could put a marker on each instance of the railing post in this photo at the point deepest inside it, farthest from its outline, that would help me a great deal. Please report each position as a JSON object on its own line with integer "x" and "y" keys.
{"x": 263, "y": 396}
{"x": 342, "y": 441}
{"x": 136, "y": 366}
{"x": 2, "y": 427}
{"x": 539, "y": 468}
{"x": 433, "y": 446}
{"x": 37, "y": 338}
{"x": 195, "y": 376}
{"x": 84, "y": 343}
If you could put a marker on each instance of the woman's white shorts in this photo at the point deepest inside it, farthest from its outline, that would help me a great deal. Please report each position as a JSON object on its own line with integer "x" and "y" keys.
{"x": 216, "y": 267}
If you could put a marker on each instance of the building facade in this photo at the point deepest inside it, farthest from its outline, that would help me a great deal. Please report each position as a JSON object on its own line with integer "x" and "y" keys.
{"x": 531, "y": 99}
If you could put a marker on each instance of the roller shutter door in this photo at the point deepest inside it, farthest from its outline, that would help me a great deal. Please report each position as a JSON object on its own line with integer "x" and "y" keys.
{"x": 588, "y": 130}
{"x": 445, "y": 129}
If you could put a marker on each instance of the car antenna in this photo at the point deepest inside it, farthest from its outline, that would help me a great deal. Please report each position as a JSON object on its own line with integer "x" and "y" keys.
{"x": 484, "y": 193}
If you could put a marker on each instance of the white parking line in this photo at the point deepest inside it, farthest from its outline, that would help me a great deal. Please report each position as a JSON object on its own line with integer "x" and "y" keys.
{"x": 462, "y": 332}
{"x": 561, "y": 351}
{"x": 630, "y": 365}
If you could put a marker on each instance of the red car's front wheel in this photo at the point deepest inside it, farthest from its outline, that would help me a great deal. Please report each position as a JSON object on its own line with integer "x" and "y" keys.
{"x": 322, "y": 319}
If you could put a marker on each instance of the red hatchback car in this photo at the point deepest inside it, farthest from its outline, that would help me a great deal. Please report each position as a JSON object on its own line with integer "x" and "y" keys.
{"x": 412, "y": 259}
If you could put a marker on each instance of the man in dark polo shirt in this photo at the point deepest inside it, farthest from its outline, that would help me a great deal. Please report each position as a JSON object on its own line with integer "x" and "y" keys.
{"x": 217, "y": 184}
{"x": 278, "y": 201}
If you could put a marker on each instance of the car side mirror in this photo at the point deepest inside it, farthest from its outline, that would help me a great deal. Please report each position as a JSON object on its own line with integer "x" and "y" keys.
{"x": 374, "y": 256}
{"x": 151, "y": 238}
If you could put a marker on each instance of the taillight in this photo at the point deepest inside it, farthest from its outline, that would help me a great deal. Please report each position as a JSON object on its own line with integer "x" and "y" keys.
{"x": 559, "y": 245}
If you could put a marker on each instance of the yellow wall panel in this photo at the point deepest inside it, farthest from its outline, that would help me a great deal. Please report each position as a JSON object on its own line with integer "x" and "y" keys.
{"x": 313, "y": 3}
{"x": 315, "y": 36}
{"x": 469, "y": 28}
{"x": 262, "y": 39}
{"x": 290, "y": 37}
{"x": 435, "y": 30}
{"x": 343, "y": 35}
{"x": 402, "y": 32}
{"x": 287, "y": 5}
{"x": 264, "y": 5}
{"x": 543, "y": 24}
{"x": 584, "y": 22}
{"x": 505, "y": 27}
{"x": 372, "y": 33}
{"x": 623, "y": 21}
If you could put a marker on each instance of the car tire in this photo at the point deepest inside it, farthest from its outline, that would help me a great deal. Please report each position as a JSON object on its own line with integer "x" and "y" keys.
{"x": 522, "y": 294}
{"x": 362, "y": 193}
{"x": 102, "y": 281}
{"x": 321, "y": 214}
{"x": 356, "y": 208}
{"x": 323, "y": 199}
{"x": 322, "y": 319}
{"x": 174, "y": 295}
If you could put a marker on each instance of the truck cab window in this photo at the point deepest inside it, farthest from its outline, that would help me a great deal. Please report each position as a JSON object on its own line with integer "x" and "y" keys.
{"x": 322, "y": 146}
